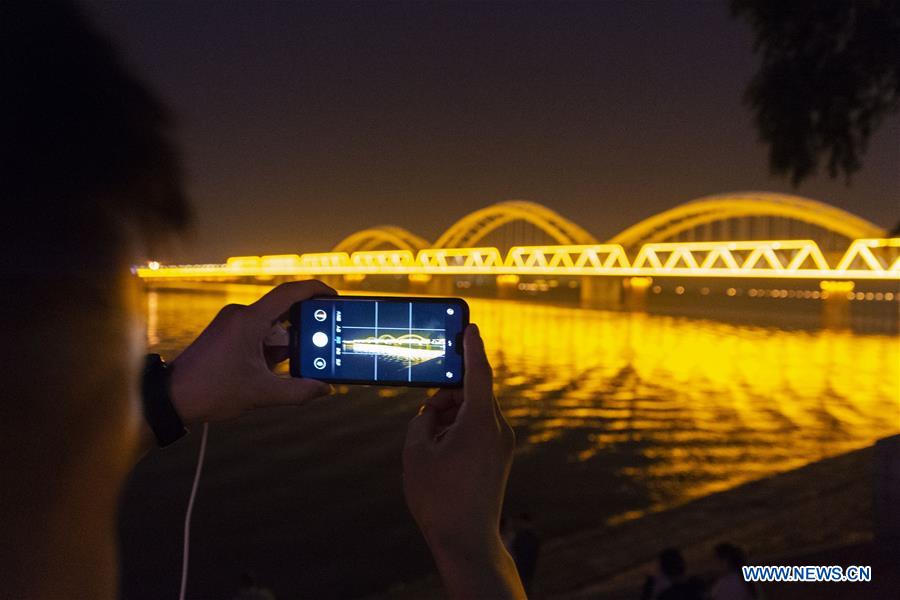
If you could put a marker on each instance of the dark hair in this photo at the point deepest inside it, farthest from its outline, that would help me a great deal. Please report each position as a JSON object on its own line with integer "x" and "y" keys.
{"x": 733, "y": 555}
{"x": 88, "y": 165}
{"x": 671, "y": 563}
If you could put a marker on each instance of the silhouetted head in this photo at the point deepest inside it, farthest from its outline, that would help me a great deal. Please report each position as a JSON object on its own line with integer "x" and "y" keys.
{"x": 732, "y": 556}
{"x": 89, "y": 181}
{"x": 90, "y": 174}
{"x": 671, "y": 563}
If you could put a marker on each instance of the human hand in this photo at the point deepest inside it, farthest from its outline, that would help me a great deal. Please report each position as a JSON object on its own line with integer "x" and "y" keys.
{"x": 226, "y": 371}
{"x": 456, "y": 462}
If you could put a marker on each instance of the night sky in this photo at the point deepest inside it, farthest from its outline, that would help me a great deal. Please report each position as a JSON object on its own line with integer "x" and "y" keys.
{"x": 304, "y": 122}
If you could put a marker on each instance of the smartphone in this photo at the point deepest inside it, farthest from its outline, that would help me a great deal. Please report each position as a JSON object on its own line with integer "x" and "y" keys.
{"x": 379, "y": 340}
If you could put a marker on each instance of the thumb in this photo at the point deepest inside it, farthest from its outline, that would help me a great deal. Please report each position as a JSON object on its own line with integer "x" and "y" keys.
{"x": 421, "y": 428}
{"x": 478, "y": 382}
{"x": 292, "y": 390}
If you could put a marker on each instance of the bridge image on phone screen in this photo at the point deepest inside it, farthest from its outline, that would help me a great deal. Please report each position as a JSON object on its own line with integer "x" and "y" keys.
{"x": 384, "y": 341}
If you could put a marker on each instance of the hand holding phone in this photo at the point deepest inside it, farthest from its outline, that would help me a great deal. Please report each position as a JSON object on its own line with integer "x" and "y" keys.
{"x": 456, "y": 462}
{"x": 223, "y": 374}
{"x": 379, "y": 340}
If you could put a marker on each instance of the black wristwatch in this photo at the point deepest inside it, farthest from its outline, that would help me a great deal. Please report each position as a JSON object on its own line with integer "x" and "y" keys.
{"x": 156, "y": 397}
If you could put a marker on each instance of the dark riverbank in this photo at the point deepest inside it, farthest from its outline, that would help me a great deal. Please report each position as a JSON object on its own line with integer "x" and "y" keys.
{"x": 817, "y": 514}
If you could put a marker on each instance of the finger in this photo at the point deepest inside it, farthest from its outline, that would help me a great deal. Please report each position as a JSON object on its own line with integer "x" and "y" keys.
{"x": 292, "y": 390}
{"x": 498, "y": 413}
{"x": 276, "y": 303}
{"x": 446, "y": 402}
{"x": 478, "y": 382}
{"x": 277, "y": 337}
{"x": 276, "y": 345}
{"x": 444, "y": 399}
{"x": 421, "y": 428}
{"x": 275, "y": 355}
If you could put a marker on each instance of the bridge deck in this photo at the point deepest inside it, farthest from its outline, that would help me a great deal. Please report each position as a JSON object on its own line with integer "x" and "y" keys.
{"x": 864, "y": 259}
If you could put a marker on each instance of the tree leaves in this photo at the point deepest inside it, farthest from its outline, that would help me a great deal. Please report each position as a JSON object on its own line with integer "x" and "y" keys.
{"x": 829, "y": 76}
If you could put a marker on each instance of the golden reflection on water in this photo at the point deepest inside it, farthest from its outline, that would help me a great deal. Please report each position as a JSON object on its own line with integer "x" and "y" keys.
{"x": 704, "y": 405}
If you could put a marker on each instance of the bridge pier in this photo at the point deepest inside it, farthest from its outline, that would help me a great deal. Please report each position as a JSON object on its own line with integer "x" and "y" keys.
{"x": 440, "y": 286}
{"x": 419, "y": 284}
{"x": 634, "y": 293}
{"x": 601, "y": 292}
{"x": 836, "y": 304}
{"x": 507, "y": 286}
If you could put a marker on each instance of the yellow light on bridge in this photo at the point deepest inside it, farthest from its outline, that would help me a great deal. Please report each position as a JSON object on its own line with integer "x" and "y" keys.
{"x": 277, "y": 264}
{"x": 325, "y": 260}
{"x": 837, "y": 286}
{"x": 640, "y": 283}
{"x": 871, "y": 259}
{"x": 244, "y": 265}
{"x": 382, "y": 259}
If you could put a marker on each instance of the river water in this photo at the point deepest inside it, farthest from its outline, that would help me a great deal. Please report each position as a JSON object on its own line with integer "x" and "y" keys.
{"x": 616, "y": 414}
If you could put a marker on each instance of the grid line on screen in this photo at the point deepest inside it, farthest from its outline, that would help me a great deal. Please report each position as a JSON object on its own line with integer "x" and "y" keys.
{"x": 409, "y": 344}
{"x": 333, "y": 334}
{"x": 376, "y": 337}
{"x": 397, "y": 328}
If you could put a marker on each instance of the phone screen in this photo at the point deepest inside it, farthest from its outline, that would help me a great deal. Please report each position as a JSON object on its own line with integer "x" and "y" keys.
{"x": 383, "y": 341}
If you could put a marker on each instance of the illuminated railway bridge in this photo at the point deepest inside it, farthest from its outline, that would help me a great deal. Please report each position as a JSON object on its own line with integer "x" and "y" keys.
{"x": 730, "y": 237}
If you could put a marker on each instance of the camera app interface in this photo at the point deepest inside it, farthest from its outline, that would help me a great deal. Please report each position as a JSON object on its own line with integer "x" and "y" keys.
{"x": 388, "y": 341}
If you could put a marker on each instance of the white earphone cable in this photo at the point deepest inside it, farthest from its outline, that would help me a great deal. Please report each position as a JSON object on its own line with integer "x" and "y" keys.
{"x": 190, "y": 509}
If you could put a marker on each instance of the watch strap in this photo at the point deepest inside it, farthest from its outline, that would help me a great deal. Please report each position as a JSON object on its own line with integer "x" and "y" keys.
{"x": 156, "y": 397}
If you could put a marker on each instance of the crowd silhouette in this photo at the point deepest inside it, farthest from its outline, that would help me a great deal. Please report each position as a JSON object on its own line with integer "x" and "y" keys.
{"x": 672, "y": 581}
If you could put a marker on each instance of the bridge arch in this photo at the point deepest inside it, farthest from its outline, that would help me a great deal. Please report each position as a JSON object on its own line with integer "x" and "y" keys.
{"x": 472, "y": 228}
{"x": 666, "y": 225}
{"x": 373, "y": 237}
